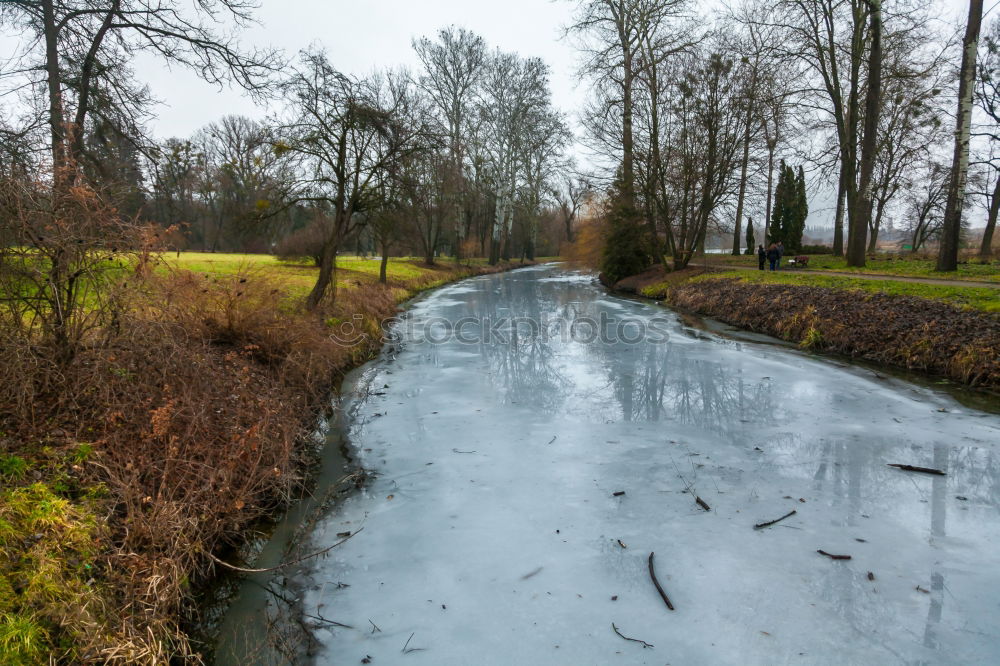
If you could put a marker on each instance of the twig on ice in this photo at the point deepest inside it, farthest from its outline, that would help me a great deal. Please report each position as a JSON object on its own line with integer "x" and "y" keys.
{"x": 280, "y": 566}
{"x": 659, "y": 588}
{"x": 760, "y": 526}
{"x": 320, "y": 618}
{"x": 834, "y": 557}
{"x": 634, "y": 640}
{"x": 702, "y": 503}
{"x": 405, "y": 651}
{"x": 922, "y": 470}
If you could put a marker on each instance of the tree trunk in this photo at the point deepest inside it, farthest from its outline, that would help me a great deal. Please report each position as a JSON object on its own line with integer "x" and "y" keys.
{"x": 327, "y": 273}
{"x": 770, "y": 192}
{"x": 861, "y": 215}
{"x": 838, "y": 221}
{"x": 499, "y": 218}
{"x": 986, "y": 249}
{"x": 737, "y": 236}
{"x": 382, "y": 269}
{"x": 876, "y": 225}
{"x": 872, "y": 239}
{"x": 952, "y": 225}
{"x": 628, "y": 144}
{"x": 57, "y": 123}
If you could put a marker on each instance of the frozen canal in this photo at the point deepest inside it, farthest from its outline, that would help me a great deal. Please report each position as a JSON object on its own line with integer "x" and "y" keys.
{"x": 495, "y": 531}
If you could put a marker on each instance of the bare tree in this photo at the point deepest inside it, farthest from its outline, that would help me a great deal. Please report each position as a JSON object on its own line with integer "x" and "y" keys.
{"x": 514, "y": 98}
{"x": 925, "y": 203}
{"x": 619, "y": 40}
{"x": 570, "y": 197}
{"x": 344, "y": 132}
{"x": 910, "y": 127}
{"x": 84, "y": 50}
{"x": 453, "y": 66}
{"x": 247, "y": 181}
{"x": 856, "y": 245}
{"x": 762, "y": 98}
{"x": 987, "y": 98}
{"x": 951, "y": 232}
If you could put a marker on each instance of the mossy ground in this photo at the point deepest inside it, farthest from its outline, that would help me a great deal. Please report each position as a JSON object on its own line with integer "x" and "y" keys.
{"x": 52, "y": 538}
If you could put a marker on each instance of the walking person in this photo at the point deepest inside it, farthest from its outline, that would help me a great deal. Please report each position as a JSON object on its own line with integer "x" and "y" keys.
{"x": 781, "y": 253}
{"x": 772, "y": 255}
{"x": 761, "y": 257}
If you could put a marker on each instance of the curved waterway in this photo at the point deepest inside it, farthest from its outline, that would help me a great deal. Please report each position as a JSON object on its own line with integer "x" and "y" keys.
{"x": 533, "y": 439}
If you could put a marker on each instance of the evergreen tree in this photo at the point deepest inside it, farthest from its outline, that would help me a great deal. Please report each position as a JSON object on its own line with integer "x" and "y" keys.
{"x": 625, "y": 251}
{"x": 750, "y": 239}
{"x": 788, "y": 220}
{"x": 802, "y": 209}
{"x": 780, "y": 212}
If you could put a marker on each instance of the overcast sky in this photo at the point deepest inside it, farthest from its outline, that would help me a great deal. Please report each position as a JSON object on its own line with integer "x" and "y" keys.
{"x": 362, "y": 35}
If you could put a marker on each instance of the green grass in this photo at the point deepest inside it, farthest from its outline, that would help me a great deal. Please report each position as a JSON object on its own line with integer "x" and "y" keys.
{"x": 885, "y": 264}
{"x": 299, "y": 278}
{"x": 986, "y": 299}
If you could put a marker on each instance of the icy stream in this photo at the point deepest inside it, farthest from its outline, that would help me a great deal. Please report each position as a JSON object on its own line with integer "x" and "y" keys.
{"x": 494, "y": 532}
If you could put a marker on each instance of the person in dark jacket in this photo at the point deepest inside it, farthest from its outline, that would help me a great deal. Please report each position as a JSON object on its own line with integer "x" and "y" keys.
{"x": 781, "y": 253}
{"x": 773, "y": 256}
{"x": 761, "y": 257}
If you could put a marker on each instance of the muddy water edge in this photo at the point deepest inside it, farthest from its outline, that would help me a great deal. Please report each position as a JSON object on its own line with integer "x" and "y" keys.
{"x": 255, "y": 618}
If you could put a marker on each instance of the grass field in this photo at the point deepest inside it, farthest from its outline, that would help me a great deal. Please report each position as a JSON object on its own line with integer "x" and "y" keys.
{"x": 299, "y": 278}
{"x": 884, "y": 264}
{"x": 986, "y": 299}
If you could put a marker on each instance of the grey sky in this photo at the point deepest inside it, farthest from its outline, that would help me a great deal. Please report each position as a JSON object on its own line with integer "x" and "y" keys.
{"x": 363, "y": 35}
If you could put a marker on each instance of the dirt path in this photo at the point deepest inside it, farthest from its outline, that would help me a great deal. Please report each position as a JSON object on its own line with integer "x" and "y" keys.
{"x": 868, "y": 276}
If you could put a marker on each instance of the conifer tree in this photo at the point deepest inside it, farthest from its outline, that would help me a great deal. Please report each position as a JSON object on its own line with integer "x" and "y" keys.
{"x": 625, "y": 250}
{"x": 750, "y": 238}
{"x": 801, "y": 210}
{"x": 791, "y": 208}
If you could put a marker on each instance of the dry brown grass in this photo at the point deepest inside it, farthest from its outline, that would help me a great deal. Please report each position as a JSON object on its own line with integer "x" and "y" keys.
{"x": 902, "y": 331}
{"x": 195, "y": 401}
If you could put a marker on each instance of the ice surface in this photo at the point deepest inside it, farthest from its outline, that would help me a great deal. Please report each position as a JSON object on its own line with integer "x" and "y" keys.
{"x": 491, "y": 533}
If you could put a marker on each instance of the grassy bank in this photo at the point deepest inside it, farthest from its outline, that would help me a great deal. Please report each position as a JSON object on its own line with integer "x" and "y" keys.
{"x": 985, "y": 299}
{"x": 168, "y": 434}
{"x": 923, "y": 266}
{"x": 946, "y": 331}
